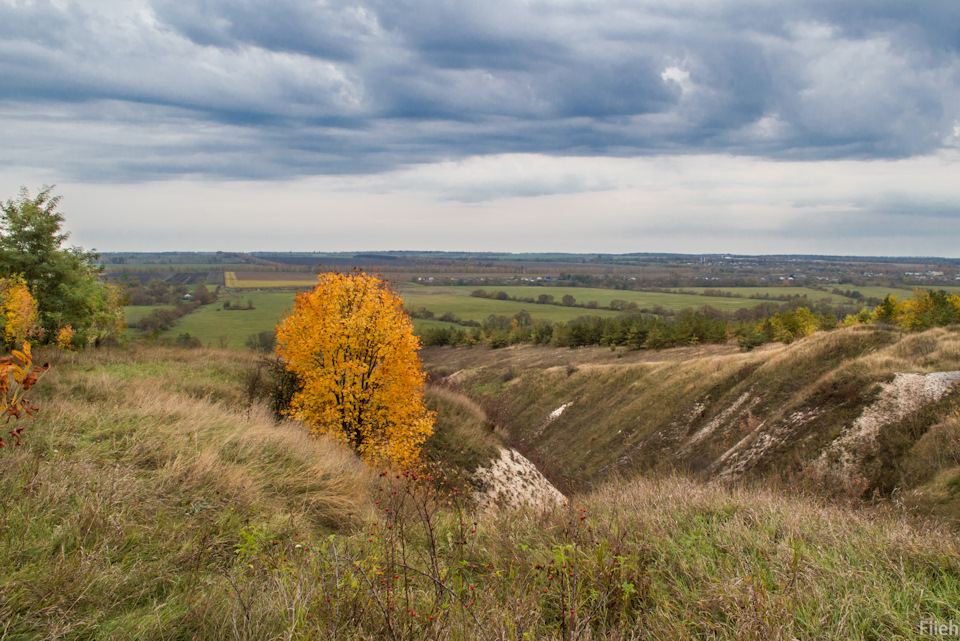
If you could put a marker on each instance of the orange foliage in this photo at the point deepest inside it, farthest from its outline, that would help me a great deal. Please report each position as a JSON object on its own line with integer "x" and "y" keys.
{"x": 352, "y": 346}
{"x": 17, "y": 376}
{"x": 64, "y": 336}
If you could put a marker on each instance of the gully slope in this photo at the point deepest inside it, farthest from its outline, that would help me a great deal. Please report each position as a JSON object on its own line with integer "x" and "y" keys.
{"x": 851, "y": 411}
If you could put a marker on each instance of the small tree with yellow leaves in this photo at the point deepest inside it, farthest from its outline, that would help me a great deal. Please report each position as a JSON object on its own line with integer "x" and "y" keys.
{"x": 352, "y": 347}
{"x": 18, "y": 312}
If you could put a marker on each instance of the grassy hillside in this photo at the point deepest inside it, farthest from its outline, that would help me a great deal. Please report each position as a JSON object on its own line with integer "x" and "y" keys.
{"x": 784, "y": 412}
{"x": 153, "y": 500}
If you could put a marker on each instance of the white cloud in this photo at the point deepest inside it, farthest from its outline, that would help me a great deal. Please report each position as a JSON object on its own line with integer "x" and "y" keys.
{"x": 679, "y": 76}
{"x": 703, "y": 203}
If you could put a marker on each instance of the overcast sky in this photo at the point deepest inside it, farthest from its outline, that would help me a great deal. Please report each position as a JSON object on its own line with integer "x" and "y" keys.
{"x": 748, "y": 126}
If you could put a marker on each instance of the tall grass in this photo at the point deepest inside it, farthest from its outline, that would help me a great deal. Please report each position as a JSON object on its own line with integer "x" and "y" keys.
{"x": 152, "y": 500}
{"x": 137, "y": 482}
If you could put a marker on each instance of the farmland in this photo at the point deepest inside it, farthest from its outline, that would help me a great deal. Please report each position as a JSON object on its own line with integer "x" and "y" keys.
{"x": 644, "y": 300}
{"x": 230, "y": 328}
{"x": 216, "y": 326}
{"x": 265, "y": 280}
{"x": 457, "y": 300}
{"x": 440, "y": 284}
{"x": 775, "y": 292}
{"x": 134, "y": 313}
{"x": 676, "y": 299}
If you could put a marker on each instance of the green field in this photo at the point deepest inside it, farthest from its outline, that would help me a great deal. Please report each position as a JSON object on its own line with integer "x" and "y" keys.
{"x": 420, "y": 324}
{"x": 457, "y": 300}
{"x": 815, "y": 295}
{"x": 215, "y": 326}
{"x": 211, "y": 323}
{"x": 868, "y": 291}
{"x": 644, "y": 300}
{"x": 133, "y": 313}
{"x": 234, "y": 326}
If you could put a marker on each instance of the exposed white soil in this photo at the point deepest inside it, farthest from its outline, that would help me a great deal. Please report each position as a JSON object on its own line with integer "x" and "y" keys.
{"x": 718, "y": 420}
{"x": 557, "y": 412}
{"x": 551, "y": 417}
{"x": 512, "y": 481}
{"x": 743, "y": 456}
{"x": 903, "y": 396}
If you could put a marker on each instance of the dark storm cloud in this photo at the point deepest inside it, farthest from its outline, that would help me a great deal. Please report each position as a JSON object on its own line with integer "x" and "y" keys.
{"x": 239, "y": 88}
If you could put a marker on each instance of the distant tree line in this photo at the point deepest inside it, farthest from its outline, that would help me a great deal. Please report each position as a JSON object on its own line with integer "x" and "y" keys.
{"x": 749, "y": 327}
{"x": 926, "y": 309}
{"x": 633, "y": 332}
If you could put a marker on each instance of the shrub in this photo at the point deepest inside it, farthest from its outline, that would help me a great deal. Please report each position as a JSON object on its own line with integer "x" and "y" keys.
{"x": 265, "y": 341}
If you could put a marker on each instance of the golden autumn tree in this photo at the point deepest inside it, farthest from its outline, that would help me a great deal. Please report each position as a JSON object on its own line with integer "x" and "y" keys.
{"x": 18, "y": 312}
{"x": 351, "y": 345}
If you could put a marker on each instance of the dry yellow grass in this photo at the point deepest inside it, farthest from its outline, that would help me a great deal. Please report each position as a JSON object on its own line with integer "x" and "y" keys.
{"x": 768, "y": 413}
{"x": 183, "y": 415}
{"x": 152, "y": 500}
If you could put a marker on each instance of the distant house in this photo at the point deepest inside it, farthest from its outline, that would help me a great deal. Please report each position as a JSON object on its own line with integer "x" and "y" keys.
{"x": 188, "y": 297}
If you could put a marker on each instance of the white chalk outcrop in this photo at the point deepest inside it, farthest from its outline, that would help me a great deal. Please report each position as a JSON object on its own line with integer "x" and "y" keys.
{"x": 512, "y": 481}
{"x": 900, "y": 398}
